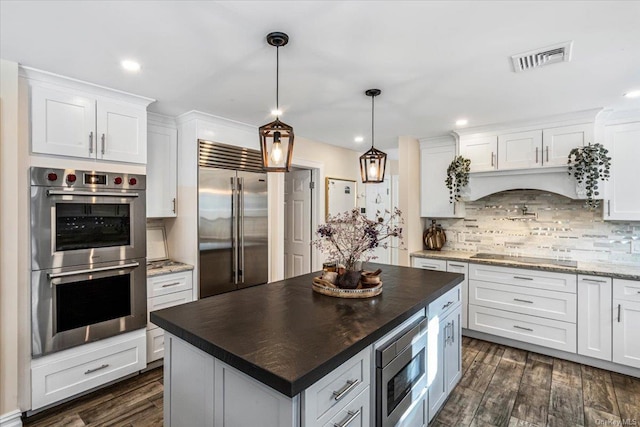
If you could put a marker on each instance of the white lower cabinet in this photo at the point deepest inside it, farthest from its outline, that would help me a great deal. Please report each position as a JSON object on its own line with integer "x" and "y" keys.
{"x": 626, "y": 312}
{"x": 444, "y": 356}
{"x": 165, "y": 291}
{"x": 594, "y": 317}
{"x": 64, "y": 374}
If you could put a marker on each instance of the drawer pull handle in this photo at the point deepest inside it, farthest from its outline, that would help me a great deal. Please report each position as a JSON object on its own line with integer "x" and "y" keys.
{"x": 523, "y": 300}
{"x": 457, "y": 265}
{"x": 352, "y": 416}
{"x": 171, "y": 284}
{"x": 523, "y": 328}
{"x": 429, "y": 266}
{"x": 350, "y": 385}
{"x": 91, "y": 371}
{"x": 523, "y": 278}
{"x": 594, "y": 280}
{"x": 619, "y": 307}
{"x": 447, "y": 305}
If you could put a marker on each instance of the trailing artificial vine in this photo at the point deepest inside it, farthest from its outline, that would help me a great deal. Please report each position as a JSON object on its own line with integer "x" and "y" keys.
{"x": 590, "y": 164}
{"x": 457, "y": 177}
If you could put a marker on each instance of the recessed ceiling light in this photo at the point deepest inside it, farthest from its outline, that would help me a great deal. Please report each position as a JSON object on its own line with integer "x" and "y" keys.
{"x": 358, "y": 139}
{"x": 132, "y": 66}
{"x": 462, "y": 122}
{"x": 276, "y": 113}
{"x": 633, "y": 94}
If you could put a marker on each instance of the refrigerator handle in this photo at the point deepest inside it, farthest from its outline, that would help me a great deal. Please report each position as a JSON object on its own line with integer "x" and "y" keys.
{"x": 234, "y": 229}
{"x": 241, "y": 233}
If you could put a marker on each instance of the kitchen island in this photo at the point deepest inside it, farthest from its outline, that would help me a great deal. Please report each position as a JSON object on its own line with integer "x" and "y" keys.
{"x": 261, "y": 350}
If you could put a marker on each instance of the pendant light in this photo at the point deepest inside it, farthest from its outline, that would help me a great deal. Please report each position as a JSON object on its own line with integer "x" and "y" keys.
{"x": 276, "y": 138}
{"x": 373, "y": 162}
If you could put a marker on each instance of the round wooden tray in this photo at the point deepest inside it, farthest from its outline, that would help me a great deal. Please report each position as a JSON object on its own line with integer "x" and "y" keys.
{"x": 348, "y": 293}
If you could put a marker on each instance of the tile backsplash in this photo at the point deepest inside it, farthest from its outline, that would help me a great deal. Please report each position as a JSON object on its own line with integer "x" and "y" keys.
{"x": 551, "y": 226}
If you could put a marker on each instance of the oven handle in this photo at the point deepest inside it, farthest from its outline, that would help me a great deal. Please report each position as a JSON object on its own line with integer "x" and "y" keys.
{"x": 90, "y": 193}
{"x": 92, "y": 270}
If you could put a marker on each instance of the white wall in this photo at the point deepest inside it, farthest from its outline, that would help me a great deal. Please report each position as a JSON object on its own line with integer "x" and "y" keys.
{"x": 9, "y": 238}
{"x": 409, "y": 197}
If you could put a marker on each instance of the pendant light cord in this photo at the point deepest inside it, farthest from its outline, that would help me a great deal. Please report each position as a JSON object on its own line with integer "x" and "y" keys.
{"x": 277, "y": 79}
{"x": 372, "y": 109}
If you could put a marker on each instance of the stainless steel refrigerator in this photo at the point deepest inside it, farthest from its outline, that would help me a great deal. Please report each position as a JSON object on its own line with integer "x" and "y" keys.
{"x": 232, "y": 220}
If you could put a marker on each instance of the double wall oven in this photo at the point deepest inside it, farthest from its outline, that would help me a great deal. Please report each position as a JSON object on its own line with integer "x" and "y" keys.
{"x": 88, "y": 268}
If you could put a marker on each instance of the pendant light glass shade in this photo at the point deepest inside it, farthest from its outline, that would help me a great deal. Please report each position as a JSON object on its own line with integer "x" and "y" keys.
{"x": 276, "y": 138}
{"x": 374, "y": 162}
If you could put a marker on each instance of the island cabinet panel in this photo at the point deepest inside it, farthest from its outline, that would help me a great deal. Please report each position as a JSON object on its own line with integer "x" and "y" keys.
{"x": 188, "y": 385}
{"x": 444, "y": 351}
{"x": 242, "y": 401}
{"x": 594, "y": 317}
{"x": 462, "y": 268}
{"x": 331, "y": 392}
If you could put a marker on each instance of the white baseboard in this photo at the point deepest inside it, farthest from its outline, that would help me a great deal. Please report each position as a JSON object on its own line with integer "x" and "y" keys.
{"x": 11, "y": 419}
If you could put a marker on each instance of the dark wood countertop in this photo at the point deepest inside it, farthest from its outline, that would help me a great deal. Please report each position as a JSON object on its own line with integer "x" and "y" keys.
{"x": 287, "y": 336}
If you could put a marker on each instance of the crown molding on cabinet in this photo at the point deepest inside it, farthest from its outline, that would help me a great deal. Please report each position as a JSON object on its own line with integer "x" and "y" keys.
{"x": 161, "y": 120}
{"x": 574, "y": 118}
{"x": 45, "y": 77}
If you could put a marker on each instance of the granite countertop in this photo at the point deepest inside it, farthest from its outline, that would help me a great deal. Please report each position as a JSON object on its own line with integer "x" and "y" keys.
{"x": 165, "y": 267}
{"x": 287, "y": 336}
{"x": 618, "y": 271}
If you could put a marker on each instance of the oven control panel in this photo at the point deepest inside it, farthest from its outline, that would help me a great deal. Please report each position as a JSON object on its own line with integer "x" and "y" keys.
{"x": 73, "y": 178}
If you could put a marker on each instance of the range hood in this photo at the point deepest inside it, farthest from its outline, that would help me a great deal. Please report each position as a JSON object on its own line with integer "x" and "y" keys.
{"x": 553, "y": 180}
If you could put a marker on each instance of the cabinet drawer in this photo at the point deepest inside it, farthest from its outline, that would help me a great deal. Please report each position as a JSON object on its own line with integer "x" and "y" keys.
{"x": 166, "y": 301}
{"x": 445, "y": 303}
{"x": 628, "y": 290}
{"x": 522, "y": 327}
{"x": 73, "y": 371}
{"x": 430, "y": 264}
{"x": 356, "y": 413}
{"x": 338, "y": 387}
{"x": 155, "y": 344}
{"x": 561, "y": 282}
{"x": 169, "y": 283}
{"x": 536, "y": 302}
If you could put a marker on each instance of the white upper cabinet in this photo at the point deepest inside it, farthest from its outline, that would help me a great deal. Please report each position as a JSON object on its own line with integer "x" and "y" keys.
{"x": 482, "y": 151}
{"x": 435, "y": 156}
{"x": 63, "y": 123}
{"x": 122, "y": 132}
{"x": 77, "y": 119}
{"x": 521, "y": 150}
{"x": 162, "y": 171}
{"x": 558, "y": 142}
{"x": 622, "y": 190}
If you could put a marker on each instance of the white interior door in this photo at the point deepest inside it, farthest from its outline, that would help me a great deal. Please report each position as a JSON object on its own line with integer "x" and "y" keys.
{"x": 378, "y": 199}
{"x": 297, "y": 223}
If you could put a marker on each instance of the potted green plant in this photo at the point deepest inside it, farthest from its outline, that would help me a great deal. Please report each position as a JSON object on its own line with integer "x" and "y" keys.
{"x": 457, "y": 177}
{"x": 589, "y": 165}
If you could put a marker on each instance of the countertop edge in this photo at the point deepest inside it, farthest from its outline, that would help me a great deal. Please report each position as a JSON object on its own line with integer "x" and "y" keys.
{"x": 281, "y": 385}
{"x": 587, "y": 269}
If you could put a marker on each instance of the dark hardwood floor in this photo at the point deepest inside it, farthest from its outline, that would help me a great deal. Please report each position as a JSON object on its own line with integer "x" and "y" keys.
{"x": 500, "y": 386}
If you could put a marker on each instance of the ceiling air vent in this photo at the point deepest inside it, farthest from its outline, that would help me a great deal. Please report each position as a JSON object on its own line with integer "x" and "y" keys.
{"x": 539, "y": 57}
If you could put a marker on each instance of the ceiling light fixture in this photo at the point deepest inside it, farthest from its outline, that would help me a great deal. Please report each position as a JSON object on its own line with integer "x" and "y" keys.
{"x": 632, "y": 94}
{"x": 462, "y": 122}
{"x": 276, "y": 138}
{"x": 358, "y": 139}
{"x": 129, "y": 65}
{"x": 373, "y": 162}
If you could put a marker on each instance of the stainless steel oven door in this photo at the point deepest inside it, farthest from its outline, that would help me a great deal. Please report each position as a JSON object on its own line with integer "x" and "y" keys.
{"x": 82, "y": 227}
{"x": 401, "y": 382}
{"x": 75, "y": 305}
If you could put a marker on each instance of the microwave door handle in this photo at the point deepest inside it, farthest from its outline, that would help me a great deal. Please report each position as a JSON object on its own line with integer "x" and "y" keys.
{"x": 92, "y": 270}
{"x": 90, "y": 193}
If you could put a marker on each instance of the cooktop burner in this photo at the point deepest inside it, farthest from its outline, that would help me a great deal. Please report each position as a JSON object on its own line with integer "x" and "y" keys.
{"x": 527, "y": 259}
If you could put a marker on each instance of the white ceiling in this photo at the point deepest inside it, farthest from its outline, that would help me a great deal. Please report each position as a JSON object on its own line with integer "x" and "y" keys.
{"x": 434, "y": 61}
